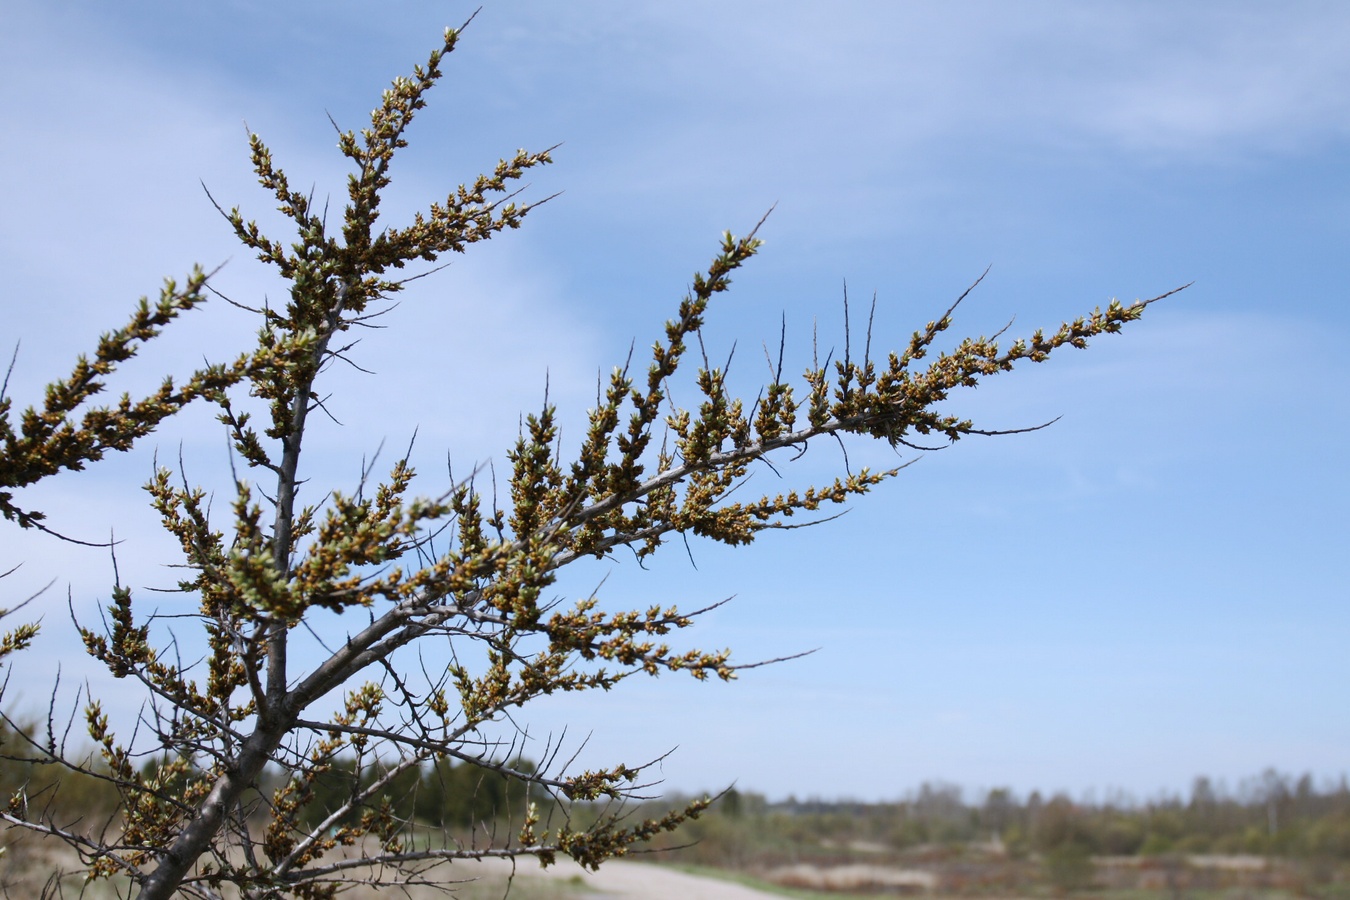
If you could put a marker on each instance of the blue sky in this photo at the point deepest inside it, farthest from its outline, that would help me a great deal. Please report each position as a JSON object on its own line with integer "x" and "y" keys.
{"x": 1152, "y": 589}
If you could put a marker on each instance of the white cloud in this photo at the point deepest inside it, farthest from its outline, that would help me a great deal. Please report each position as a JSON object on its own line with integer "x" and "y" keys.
{"x": 1223, "y": 81}
{"x": 1166, "y": 82}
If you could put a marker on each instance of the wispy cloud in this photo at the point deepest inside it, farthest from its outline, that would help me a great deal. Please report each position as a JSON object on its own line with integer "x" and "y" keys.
{"x": 761, "y": 94}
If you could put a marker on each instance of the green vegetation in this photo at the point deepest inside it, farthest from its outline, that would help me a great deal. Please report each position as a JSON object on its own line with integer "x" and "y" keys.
{"x": 1274, "y": 833}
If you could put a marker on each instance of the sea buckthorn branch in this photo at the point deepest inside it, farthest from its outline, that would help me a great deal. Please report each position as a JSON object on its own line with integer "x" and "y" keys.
{"x": 368, "y": 573}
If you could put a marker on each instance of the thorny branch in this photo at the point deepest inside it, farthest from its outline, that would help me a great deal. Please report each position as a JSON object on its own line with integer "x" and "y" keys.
{"x": 243, "y": 794}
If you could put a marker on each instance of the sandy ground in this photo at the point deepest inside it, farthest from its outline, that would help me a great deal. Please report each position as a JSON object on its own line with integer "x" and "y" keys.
{"x": 623, "y": 880}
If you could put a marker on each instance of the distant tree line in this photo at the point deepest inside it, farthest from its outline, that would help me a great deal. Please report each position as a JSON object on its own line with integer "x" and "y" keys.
{"x": 1273, "y": 814}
